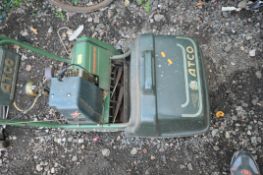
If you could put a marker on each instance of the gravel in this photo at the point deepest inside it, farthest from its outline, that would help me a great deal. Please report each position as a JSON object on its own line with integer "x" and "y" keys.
{"x": 252, "y": 52}
{"x": 190, "y": 167}
{"x": 39, "y": 167}
{"x": 258, "y": 74}
{"x": 105, "y": 152}
{"x": 74, "y": 158}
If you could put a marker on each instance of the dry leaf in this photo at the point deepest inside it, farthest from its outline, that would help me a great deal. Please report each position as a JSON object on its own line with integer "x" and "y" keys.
{"x": 200, "y": 4}
{"x": 33, "y": 30}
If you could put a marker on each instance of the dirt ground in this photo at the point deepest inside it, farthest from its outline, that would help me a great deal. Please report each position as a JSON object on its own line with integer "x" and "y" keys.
{"x": 234, "y": 71}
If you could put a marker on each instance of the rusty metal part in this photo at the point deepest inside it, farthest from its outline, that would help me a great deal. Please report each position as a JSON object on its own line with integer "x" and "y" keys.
{"x": 78, "y": 9}
{"x": 119, "y": 75}
{"x": 119, "y": 103}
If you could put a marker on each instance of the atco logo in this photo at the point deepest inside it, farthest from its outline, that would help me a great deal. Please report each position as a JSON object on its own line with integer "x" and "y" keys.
{"x": 7, "y": 77}
{"x": 190, "y": 61}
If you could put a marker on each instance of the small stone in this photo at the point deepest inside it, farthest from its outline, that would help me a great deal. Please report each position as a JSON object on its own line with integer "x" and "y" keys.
{"x": 144, "y": 151}
{"x": 216, "y": 148}
{"x": 182, "y": 166}
{"x": 163, "y": 158}
{"x": 90, "y": 19}
{"x": 248, "y": 37}
{"x": 70, "y": 139}
{"x": 249, "y": 127}
{"x": 190, "y": 167}
{"x": 234, "y": 118}
{"x": 39, "y": 168}
{"x": 259, "y": 139}
{"x": 153, "y": 157}
{"x": 52, "y": 171}
{"x": 97, "y": 19}
{"x": 58, "y": 140}
{"x": 227, "y": 135}
{"x": 233, "y": 63}
{"x": 134, "y": 151}
{"x": 244, "y": 105}
{"x": 225, "y": 14}
{"x": 74, "y": 158}
{"x": 118, "y": 138}
{"x": 242, "y": 4}
{"x": 50, "y": 30}
{"x": 252, "y": 53}
{"x": 258, "y": 75}
{"x": 214, "y": 132}
{"x": 23, "y": 57}
{"x": 110, "y": 14}
{"x": 46, "y": 169}
{"x": 24, "y": 33}
{"x": 242, "y": 48}
{"x": 147, "y": 172}
{"x": 253, "y": 140}
{"x": 158, "y": 17}
{"x": 254, "y": 101}
{"x": 228, "y": 48}
{"x": 105, "y": 152}
{"x": 249, "y": 133}
{"x": 81, "y": 141}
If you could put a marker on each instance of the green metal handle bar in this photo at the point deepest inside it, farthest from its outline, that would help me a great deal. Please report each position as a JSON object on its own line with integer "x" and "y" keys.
{"x": 8, "y": 41}
{"x": 50, "y": 124}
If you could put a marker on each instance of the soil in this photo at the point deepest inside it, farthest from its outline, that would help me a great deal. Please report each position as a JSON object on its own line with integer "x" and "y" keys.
{"x": 234, "y": 73}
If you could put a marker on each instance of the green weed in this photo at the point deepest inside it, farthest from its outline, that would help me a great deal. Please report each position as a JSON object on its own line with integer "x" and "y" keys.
{"x": 146, "y": 5}
{"x": 61, "y": 15}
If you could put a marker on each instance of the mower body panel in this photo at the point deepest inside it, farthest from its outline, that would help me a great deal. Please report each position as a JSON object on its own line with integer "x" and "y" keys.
{"x": 80, "y": 101}
{"x": 94, "y": 56}
{"x": 168, "y": 89}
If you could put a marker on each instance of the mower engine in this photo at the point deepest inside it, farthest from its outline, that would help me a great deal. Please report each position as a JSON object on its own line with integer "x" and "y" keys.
{"x": 83, "y": 94}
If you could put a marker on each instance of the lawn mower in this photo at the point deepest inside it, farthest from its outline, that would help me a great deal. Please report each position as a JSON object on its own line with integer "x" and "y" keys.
{"x": 156, "y": 89}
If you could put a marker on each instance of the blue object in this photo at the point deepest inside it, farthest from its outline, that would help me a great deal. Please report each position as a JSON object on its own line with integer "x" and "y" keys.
{"x": 77, "y": 99}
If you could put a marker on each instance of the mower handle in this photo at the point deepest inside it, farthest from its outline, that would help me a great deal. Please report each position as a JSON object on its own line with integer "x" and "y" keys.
{"x": 8, "y": 41}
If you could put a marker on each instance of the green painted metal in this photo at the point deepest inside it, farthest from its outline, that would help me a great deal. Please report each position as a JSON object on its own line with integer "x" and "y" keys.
{"x": 7, "y": 41}
{"x": 52, "y": 124}
{"x": 94, "y": 56}
{"x": 91, "y": 55}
